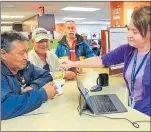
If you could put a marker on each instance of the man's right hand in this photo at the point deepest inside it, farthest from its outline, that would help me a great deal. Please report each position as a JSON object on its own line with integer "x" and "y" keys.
{"x": 69, "y": 75}
{"x": 50, "y": 90}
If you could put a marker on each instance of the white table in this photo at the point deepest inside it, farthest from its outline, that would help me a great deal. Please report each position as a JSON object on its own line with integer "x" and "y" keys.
{"x": 60, "y": 114}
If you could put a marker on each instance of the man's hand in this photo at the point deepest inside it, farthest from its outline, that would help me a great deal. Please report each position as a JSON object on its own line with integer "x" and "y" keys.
{"x": 50, "y": 90}
{"x": 69, "y": 75}
{"x": 66, "y": 64}
{"x": 27, "y": 89}
{"x": 79, "y": 70}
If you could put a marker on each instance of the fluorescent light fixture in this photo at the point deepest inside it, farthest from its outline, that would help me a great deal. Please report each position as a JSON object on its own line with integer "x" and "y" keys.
{"x": 80, "y": 9}
{"x": 7, "y": 22}
{"x": 59, "y": 22}
{"x": 96, "y": 22}
{"x": 105, "y": 20}
{"x": 6, "y": 27}
{"x": 70, "y": 18}
{"x": 105, "y": 23}
{"x": 3, "y": 16}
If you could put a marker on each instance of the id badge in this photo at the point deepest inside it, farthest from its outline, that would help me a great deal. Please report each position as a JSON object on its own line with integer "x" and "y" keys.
{"x": 131, "y": 102}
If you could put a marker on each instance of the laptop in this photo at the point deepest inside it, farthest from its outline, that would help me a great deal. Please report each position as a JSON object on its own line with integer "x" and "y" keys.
{"x": 101, "y": 104}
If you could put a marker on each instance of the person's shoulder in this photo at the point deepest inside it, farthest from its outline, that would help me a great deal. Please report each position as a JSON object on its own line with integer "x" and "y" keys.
{"x": 31, "y": 52}
{"x": 51, "y": 54}
{"x": 3, "y": 78}
{"x": 32, "y": 55}
{"x": 61, "y": 44}
{"x": 62, "y": 40}
{"x": 30, "y": 68}
{"x": 126, "y": 47}
{"x": 29, "y": 65}
{"x": 83, "y": 43}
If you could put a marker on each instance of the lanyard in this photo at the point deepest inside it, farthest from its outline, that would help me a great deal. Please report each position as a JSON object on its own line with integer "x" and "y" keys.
{"x": 134, "y": 74}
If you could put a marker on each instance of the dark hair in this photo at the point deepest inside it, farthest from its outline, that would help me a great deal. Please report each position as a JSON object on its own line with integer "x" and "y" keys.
{"x": 8, "y": 37}
{"x": 141, "y": 18}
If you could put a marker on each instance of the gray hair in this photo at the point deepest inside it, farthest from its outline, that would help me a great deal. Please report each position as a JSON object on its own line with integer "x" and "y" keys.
{"x": 7, "y": 39}
{"x": 70, "y": 21}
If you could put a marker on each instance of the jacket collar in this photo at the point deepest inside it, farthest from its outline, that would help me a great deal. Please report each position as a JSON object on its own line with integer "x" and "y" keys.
{"x": 64, "y": 40}
{"x": 5, "y": 70}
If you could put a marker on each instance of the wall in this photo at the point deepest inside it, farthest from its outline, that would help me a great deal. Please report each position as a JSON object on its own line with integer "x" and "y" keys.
{"x": 59, "y": 28}
{"x": 132, "y": 5}
{"x": 124, "y": 7}
{"x": 30, "y": 24}
{"x": 113, "y": 6}
{"x": 89, "y": 29}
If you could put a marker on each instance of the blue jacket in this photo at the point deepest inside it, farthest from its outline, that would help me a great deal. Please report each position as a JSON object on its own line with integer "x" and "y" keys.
{"x": 124, "y": 54}
{"x": 15, "y": 103}
{"x": 82, "y": 49}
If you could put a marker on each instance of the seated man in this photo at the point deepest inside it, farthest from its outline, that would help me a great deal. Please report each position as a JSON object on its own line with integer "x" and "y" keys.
{"x": 24, "y": 87}
{"x": 42, "y": 57}
{"x": 72, "y": 46}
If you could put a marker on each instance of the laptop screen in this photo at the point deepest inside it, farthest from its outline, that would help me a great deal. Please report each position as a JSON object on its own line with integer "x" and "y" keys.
{"x": 83, "y": 91}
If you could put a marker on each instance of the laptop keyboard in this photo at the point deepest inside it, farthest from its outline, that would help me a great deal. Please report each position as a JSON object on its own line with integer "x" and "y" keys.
{"x": 104, "y": 104}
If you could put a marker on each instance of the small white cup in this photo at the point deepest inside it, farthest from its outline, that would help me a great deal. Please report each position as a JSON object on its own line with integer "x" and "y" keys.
{"x": 59, "y": 83}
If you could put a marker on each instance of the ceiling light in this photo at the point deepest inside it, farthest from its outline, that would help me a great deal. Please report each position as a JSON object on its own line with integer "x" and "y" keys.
{"x": 6, "y": 27}
{"x": 70, "y": 18}
{"x": 7, "y": 22}
{"x": 59, "y": 22}
{"x": 107, "y": 20}
{"x": 3, "y": 16}
{"x": 96, "y": 22}
{"x": 80, "y": 9}
{"x": 105, "y": 23}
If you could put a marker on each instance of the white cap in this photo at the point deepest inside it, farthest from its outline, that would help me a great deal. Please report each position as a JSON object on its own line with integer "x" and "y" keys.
{"x": 39, "y": 34}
